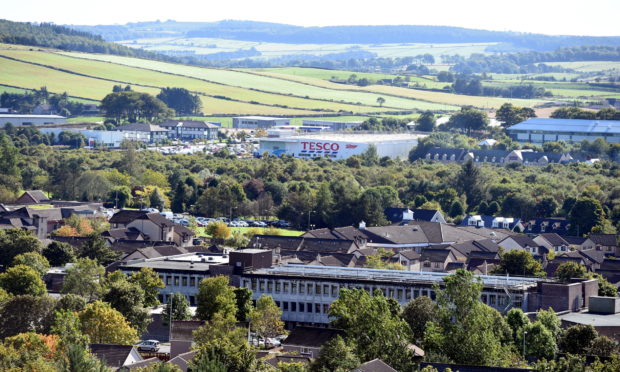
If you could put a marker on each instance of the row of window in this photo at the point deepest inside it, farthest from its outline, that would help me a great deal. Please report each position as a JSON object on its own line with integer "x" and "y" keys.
{"x": 303, "y": 307}
{"x": 181, "y": 281}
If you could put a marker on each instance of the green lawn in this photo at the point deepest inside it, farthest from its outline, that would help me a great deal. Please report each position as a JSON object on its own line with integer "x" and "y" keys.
{"x": 588, "y": 66}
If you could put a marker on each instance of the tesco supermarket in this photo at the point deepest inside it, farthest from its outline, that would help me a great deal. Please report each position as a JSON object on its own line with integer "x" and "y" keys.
{"x": 340, "y": 145}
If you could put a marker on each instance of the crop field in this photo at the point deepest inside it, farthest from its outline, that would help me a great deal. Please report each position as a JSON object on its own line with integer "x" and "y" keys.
{"x": 265, "y": 83}
{"x": 276, "y": 50}
{"x": 561, "y": 89}
{"x": 588, "y": 66}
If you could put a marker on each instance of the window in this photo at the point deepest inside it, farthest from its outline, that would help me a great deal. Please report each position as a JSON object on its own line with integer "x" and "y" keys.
{"x": 318, "y": 289}
{"x": 309, "y": 307}
{"x": 484, "y": 298}
{"x": 269, "y": 286}
{"x": 192, "y": 282}
{"x": 427, "y": 264}
{"x": 253, "y": 284}
{"x": 407, "y": 294}
{"x": 192, "y": 300}
{"x": 285, "y": 287}
{"x": 391, "y": 292}
{"x": 302, "y": 307}
{"x": 293, "y": 306}
{"x": 317, "y": 308}
{"x": 285, "y": 306}
{"x": 310, "y": 288}
{"x": 168, "y": 280}
{"x": 302, "y": 287}
{"x": 278, "y": 285}
{"x": 334, "y": 290}
{"x": 293, "y": 287}
{"x": 184, "y": 281}
{"x": 399, "y": 294}
{"x": 437, "y": 264}
{"x": 176, "y": 281}
{"x": 326, "y": 289}
{"x": 416, "y": 293}
{"x": 491, "y": 300}
{"x": 278, "y": 303}
{"x": 261, "y": 286}
{"x": 325, "y": 308}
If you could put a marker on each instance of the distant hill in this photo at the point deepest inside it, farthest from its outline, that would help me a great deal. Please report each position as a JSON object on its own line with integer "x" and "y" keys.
{"x": 64, "y": 38}
{"x": 281, "y": 33}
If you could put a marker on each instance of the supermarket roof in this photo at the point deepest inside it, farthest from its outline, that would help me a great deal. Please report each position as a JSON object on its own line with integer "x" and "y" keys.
{"x": 350, "y": 137}
{"x": 569, "y": 125}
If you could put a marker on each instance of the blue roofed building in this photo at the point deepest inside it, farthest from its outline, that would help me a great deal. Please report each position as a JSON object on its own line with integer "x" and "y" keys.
{"x": 540, "y": 130}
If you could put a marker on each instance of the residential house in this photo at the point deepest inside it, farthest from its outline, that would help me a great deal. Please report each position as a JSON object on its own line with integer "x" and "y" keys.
{"x": 493, "y": 222}
{"x": 32, "y": 197}
{"x": 182, "y": 360}
{"x": 307, "y": 341}
{"x": 116, "y": 356}
{"x": 602, "y": 242}
{"x": 436, "y": 260}
{"x": 410, "y": 260}
{"x": 191, "y": 129}
{"x": 575, "y": 242}
{"x": 153, "y": 226}
{"x": 143, "y": 132}
{"x": 553, "y": 242}
{"x": 395, "y": 215}
{"x": 521, "y": 242}
{"x": 498, "y": 157}
{"x": 429, "y": 215}
{"x": 375, "y": 365}
{"x": 558, "y": 225}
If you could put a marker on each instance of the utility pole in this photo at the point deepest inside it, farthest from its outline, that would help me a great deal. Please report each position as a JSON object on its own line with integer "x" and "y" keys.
{"x": 524, "y": 334}
{"x": 170, "y": 327}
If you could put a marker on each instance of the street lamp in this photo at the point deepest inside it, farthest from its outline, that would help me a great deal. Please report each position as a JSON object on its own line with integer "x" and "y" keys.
{"x": 524, "y": 334}
{"x": 309, "y": 219}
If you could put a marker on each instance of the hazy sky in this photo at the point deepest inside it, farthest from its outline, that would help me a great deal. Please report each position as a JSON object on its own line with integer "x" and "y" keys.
{"x": 568, "y": 17}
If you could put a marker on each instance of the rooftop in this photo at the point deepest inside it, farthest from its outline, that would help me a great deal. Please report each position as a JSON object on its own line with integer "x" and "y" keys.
{"x": 597, "y": 320}
{"x": 19, "y": 116}
{"x": 330, "y": 272}
{"x": 569, "y": 125}
{"x": 350, "y": 137}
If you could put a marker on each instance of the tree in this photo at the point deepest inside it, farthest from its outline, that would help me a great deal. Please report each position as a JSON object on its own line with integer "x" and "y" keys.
{"x": 456, "y": 209}
{"x": 71, "y": 302}
{"x": 586, "y": 214}
{"x": 469, "y": 182}
{"x": 568, "y": 270}
{"x": 84, "y": 279}
{"x": 134, "y": 106}
{"x": 602, "y": 346}
{"x": 128, "y": 299}
{"x": 467, "y": 331}
{"x": 468, "y": 119}
{"x": 156, "y": 199}
{"x": 67, "y": 326}
{"x": 181, "y": 100}
{"x": 22, "y": 280}
{"x": 519, "y": 262}
{"x": 218, "y": 230}
{"x": 374, "y": 325}
{"x": 78, "y": 359}
{"x": 215, "y": 295}
{"x": 417, "y": 313}
{"x": 578, "y": 339}
{"x": 59, "y": 253}
{"x": 149, "y": 281}
{"x": 168, "y": 367}
{"x": 16, "y": 241}
{"x": 335, "y": 356}
{"x": 104, "y": 325}
{"x": 380, "y": 101}
{"x": 38, "y": 318}
{"x": 605, "y": 288}
{"x": 426, "y": 122}
{"x": 266, "y": 318}
{"x": 180, "y": 308}
{"x": 510, "y": 115}
{"x": 550, "y": 320}
{"x": 539, "y": 341}
{"x": 517, "y": 321}
{"x": 243, "y": 297}
{"x": 546, "y": 207}
{"x": 33, "y": 260}
{"x": 95, "y": 248}
{"x": 493, "y": 208}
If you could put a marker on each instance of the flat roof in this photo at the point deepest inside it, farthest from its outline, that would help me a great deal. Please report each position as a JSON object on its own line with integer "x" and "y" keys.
{"x": 18, "y": 116}
{"x": 597, "y": 320}
{"x": 330, "y": 272}
{"x": 349, "y": 137}
{"x": 569, "y": 125}
{"x": 259, "y": 118}
{"x": 170, "y": 265}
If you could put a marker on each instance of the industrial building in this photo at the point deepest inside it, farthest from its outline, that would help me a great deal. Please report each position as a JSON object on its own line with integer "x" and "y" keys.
{"x": 332, "y": 125}
{"x": 339, "y": 146}
{"x": 19, "y": 120}
{"x": 258, "y": 122}
{"x": 539, "y": 130}
{"x": 94, "y": 137}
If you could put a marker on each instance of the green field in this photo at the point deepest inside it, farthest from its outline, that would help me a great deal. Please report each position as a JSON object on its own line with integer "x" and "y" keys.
{"x": 243, "y": 230}
{"x": 587, "y": 66}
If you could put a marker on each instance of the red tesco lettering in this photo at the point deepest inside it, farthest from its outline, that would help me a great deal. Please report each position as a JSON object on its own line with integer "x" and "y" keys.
{"x": 319, "y": 146}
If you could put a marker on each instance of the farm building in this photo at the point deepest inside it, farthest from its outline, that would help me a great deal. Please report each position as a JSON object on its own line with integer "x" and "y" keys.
{"x": 340, "y": 146}
{"x": 258, "y": 122}
{"x": 539, "y": 130}
{"x": 19, "y": 120}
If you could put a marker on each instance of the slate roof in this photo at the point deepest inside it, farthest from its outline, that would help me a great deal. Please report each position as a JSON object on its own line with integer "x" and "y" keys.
{"x": 126, "y": 216}
{"x": 453, "y": 266}
{"x": 593, "y": 255}
{"x": 608, "y": 240}
{"x": 555, "y": 225}
{"x": 144, "y": 363}
{"x": 375, "y": 365}
{"x": 182, "y": 360}
{"x": 37, "y": 195}
{"x": 523, "y": 241}
{"x": 424, "y": 214}
{"x": 554, "y": 239}
{"x": 434, "y": 255}
{"x": 410, "y": 254}
{"x": 394, "y": 214}
{"x": 130, "y": 233}
{"x": 574, "y": 240}
{"x": 311, "y": 336}
{"x": 114, "y": 355}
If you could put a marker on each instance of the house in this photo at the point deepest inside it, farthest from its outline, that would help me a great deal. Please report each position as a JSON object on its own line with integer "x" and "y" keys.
{"x": 575, "y": 242}
{"x": 436, "y": 260}
{"x": 32, "y": 197}
{"x": 375, "y": 365}
{"x": 429, "y": 215}
{"x": 410, "y": 260}
{"x": 602, "y": 242}
{"x": 191, "y": 129}
{"x": 44, "y": 109}
{"x": 395, "y": 215}
{"x": 143, "y": 132}
{"x": 558, "y": 225}
{"x": 521, "y": 242}
{"x": 553, "y": 242}
{"x": 153, "y": 226}
{"x": 497, "y": 157}
{"x": 116, "y": 356}
{"x": 307, "y": 341}
{"x": 130, "y": 233}
{"x": 493, "y": 222}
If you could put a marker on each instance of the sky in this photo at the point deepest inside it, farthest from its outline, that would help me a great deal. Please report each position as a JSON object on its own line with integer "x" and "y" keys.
{"x": 554, "y": 17}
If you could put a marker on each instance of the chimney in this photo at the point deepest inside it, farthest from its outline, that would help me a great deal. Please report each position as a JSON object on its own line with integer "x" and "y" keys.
{"x": 362, "y": 225}
{"x": 40, "y": 222}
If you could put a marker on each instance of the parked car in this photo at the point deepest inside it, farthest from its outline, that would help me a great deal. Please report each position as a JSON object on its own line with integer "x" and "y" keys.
{"x": 148, "y": 345}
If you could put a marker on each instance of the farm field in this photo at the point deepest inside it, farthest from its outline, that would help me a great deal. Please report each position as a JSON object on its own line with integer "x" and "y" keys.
{"x": 200, "y": 45}
{"x": 136, "y": 76}
{"x": 588, "y": 66}
{"x": 265, "y": 83}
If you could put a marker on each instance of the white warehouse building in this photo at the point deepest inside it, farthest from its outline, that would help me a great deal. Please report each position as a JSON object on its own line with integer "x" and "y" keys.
{"x": 340, "y": 145}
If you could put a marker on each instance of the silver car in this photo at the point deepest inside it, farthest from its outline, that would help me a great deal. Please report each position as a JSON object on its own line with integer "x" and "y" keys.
{"x": 148, "y": 345}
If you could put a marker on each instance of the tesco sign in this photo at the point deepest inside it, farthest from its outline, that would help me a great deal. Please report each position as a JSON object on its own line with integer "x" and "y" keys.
{"x": 320, "y": 146}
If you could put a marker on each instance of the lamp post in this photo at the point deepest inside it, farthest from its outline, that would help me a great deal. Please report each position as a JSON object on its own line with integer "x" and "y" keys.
{"x": 309, "y": 219}
{"x": 170, "y": 327}
{"x": 524, "y": 334}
